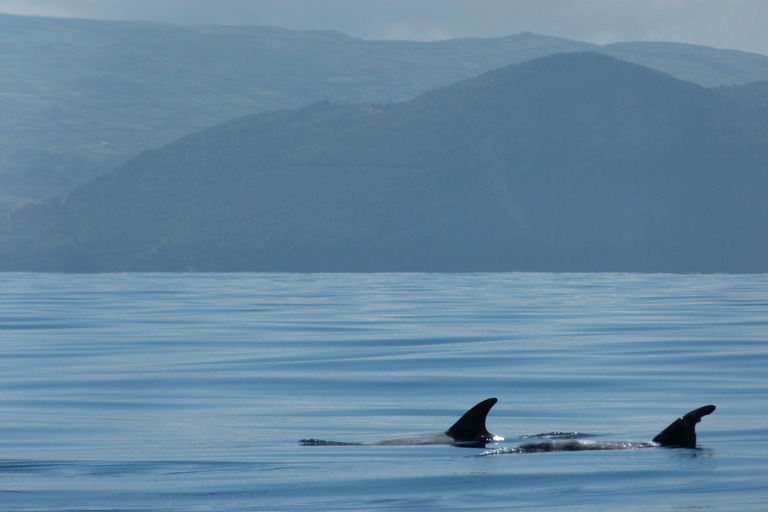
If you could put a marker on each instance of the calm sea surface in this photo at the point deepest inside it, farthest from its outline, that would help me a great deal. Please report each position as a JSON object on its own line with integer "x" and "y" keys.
{"x": 190, "y": 391}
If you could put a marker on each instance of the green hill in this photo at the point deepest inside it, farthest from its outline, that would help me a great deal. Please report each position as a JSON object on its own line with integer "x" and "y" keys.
{"x": 79, "y": 97}
{"x": 572, "y": 162}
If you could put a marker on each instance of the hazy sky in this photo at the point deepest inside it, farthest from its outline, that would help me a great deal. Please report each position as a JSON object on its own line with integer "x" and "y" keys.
{"x": 736, "y": 24}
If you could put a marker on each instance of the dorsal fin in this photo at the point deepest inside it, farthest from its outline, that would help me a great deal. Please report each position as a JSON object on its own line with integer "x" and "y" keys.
{"x": 682, "y": 432}
{"x": 471, "y": 426}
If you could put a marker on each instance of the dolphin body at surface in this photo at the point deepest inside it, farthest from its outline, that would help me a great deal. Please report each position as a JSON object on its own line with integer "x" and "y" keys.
{"x": 679, "y": 434}
{"x": 469, "y": 431}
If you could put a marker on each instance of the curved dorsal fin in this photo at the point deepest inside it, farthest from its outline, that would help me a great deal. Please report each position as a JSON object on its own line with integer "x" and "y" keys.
{"x": 682, "y": 432}
{"x": 471, "y": 426}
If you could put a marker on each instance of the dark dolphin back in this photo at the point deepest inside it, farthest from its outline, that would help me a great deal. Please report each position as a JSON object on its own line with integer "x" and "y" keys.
{"x": 682, "y": 432}
{"x": 471, "y": 426}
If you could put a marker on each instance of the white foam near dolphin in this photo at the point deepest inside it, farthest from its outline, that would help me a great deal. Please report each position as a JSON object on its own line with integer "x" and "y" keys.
{"x": 468, "y": 431}
{"x": 681, "y": 433}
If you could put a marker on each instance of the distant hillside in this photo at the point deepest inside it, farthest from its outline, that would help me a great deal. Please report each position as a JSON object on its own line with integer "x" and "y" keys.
{"x": 754, "y": 95}
{"x": 572, "y": 162}
{"x": 698, "y": 64}
{"x": 81, "y": 96}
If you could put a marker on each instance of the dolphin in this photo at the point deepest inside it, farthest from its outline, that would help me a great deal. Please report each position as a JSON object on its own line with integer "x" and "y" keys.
{"x": 681, "y": 433}
{"x": 469, "y": 432}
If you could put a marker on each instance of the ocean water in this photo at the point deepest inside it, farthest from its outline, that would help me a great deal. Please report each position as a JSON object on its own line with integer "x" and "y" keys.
{"x": 170, "y": 392}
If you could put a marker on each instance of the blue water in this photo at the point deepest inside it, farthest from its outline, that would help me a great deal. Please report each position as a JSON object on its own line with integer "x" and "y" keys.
{"x": 191, "y": 391}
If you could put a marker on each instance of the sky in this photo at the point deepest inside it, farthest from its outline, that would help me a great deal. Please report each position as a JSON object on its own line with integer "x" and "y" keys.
{"x": 727, "y": 24}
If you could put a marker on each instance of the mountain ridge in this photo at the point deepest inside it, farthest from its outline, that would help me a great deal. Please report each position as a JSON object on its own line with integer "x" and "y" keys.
{"x": 82, "y": 96}
{"x": 571, "y": 162}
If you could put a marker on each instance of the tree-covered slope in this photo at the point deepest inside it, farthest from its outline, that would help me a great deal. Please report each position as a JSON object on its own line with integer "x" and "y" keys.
{"x": 573, "y": 162}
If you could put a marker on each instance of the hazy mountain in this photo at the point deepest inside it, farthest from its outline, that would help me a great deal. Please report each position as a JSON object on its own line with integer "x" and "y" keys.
{"x": 572, "y": 162}
{"x": 81, "y": 96}
{"x": 754, "y": 95}
{"x": 699, "y": 64}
